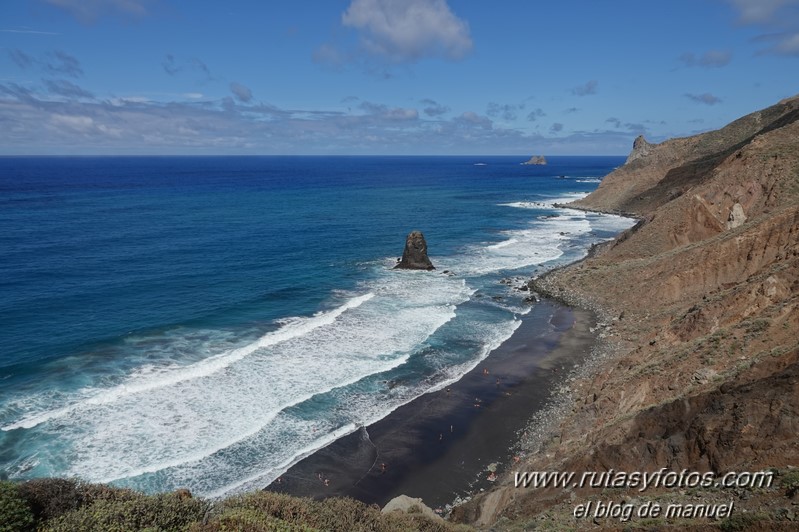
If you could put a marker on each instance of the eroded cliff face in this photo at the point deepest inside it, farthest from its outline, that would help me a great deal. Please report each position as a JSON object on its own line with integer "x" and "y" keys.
{"x": 656, "y": 174}
{"x": 701, "y": 306}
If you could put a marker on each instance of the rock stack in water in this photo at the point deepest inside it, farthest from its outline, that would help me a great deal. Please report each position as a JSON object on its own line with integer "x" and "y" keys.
{"x": 414, "y": 256}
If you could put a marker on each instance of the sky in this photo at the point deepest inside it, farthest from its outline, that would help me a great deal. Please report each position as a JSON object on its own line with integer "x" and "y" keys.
{"x": 384, "y": 77}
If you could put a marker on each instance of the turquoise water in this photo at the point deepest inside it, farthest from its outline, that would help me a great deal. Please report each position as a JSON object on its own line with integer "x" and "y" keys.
{"x": 206, "y": 322}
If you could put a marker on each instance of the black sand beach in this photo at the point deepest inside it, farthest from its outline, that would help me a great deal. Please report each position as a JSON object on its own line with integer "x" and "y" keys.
{"x": 440, "y": 445}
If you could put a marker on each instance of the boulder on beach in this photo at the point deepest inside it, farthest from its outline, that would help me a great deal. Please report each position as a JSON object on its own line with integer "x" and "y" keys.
{"x": 403, "y": 503}
{"x": 414, "y": 256}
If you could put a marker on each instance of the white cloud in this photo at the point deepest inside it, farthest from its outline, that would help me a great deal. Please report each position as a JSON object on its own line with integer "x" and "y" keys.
{"x": 433, "y": 108}
{"x": 508, "y": 112}
{"x": 710, "y": 59}
{"x": 28, "y": 31}
{"x": 586, "y": 89}
{"x": 88, "y": 11}
{"x": 241, "y": 92}
{"x": 383, "y": 112}
{"x": 55, "y": 62}
{"x": 760, "y": 11}
{"x": 706, "y": 98}
{"x": 67, "y": 89}
{"x": 35, "y": 122}
{"x": 788, "y": 45}
{"x": 409, "y": 30}
{"x": 329, "y": 55}
{"x": 472, "y": 119}
{"x": 776, "y": 18}
{"x": 81, "y": 124}
{"x": 174, "y": 66}
{"x": 535, "y": 114}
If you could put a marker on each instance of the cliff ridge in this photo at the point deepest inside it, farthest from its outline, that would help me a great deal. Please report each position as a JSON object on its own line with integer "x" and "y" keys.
{"x": 698, "y": 362}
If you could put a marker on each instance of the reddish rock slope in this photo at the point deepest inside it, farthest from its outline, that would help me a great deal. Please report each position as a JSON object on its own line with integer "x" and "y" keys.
{"x": 701, "y": 331}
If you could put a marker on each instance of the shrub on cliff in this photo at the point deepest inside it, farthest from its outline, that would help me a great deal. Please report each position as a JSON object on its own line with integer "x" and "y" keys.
{"x": 248, "y": 520}
{"x": 53, "y": 497}
{"x": 15, "y": 513}
{"x": 257, "y": 511}
{"x": 165, "y": 512}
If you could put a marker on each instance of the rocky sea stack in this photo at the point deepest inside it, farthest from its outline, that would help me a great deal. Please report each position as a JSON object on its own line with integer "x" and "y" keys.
{"x": 414, "y": 256}
{"x": 536, "y": 160}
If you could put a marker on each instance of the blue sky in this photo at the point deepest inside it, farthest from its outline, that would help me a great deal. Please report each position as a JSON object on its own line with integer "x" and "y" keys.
{"x": 384, "y": 76}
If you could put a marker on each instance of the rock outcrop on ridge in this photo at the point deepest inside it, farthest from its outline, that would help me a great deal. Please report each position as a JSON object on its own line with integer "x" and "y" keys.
{"x": 698, "y": 366}
{"x": 414, "y": 256}
{"x": 641, "y": 148}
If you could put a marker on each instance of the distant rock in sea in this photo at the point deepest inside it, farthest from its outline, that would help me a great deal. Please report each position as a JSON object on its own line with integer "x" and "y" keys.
{"x": 414, "y": 256}
{"x": 537, "y": 159}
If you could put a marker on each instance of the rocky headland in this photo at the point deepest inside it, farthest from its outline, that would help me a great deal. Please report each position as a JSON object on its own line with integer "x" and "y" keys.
{"x": 697, "y": 365}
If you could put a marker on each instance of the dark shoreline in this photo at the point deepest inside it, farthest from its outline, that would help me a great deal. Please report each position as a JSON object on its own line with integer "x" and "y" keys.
{"x": 439, "y": 446}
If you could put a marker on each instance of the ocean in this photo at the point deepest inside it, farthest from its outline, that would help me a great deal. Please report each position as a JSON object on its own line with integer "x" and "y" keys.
{"x": 206, "y": 322}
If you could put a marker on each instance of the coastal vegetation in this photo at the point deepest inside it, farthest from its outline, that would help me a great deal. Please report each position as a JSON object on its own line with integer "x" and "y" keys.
{"x": 66, "y": 505}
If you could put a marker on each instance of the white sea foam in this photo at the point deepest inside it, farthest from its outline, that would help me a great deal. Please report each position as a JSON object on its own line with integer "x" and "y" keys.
{"x": 367, "y": 409}
{"x": 542, "y": 242}
{"x": 189, "y": 419}
{"x": 493, "y": 337}
{"x": 265, "y": 477}
{"x": 148, "y": 378}
{"x": 547, "y": 203}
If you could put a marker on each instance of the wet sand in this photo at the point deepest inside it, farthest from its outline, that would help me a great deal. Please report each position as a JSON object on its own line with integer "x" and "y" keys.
{"x": 440, "y": 445}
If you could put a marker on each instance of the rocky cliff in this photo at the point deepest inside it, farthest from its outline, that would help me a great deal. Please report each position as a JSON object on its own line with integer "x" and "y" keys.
{"x": 699, "y": 366}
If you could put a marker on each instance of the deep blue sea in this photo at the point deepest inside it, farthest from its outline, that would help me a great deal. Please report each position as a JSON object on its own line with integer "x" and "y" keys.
{"x": 206, "y": 322}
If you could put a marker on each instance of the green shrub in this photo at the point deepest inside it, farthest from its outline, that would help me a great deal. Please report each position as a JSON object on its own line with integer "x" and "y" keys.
{"x": 52, "y": 497}
{"x": 790, "y": 481}
{"x": 758, "y": 325}
{"x": 247, "y": 520}
{"x": 400, "y": 521}
{"x": 737, "y": 522}
{"x": 15, "y": 513}
{"x": 335, "y": 513}
{"x": 277, "y": 505}
{"x": 165, "y": 512}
